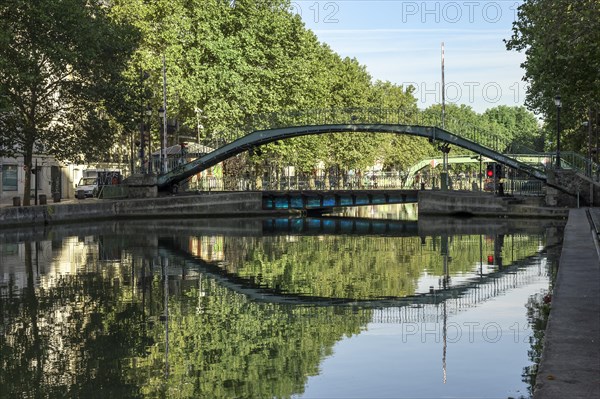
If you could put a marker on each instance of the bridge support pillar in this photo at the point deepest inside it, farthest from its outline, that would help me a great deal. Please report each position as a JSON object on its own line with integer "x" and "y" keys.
{"x": 445, "y": 149}
{"x": 444, "y": 181}
{"x": 141, "y": 186}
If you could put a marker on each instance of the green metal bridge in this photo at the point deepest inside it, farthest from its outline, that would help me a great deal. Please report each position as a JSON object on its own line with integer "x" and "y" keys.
{"x": 268, "y": 128}
{"x": 541, "y": 161}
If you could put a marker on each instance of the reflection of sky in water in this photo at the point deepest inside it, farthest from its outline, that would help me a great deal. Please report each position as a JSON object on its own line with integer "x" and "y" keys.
{"x": 486, "y": 349}
{"x": 394, "y": 357}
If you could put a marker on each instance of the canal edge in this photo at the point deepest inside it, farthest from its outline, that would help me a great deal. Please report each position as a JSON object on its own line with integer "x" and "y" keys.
{"x": 570, "y": 362}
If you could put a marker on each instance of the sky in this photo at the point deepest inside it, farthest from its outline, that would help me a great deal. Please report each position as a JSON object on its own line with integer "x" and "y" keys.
{"x": 401, "y": 41}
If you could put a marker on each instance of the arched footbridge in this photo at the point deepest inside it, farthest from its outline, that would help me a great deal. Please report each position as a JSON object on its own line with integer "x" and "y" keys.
{"x": 269, "y": 128}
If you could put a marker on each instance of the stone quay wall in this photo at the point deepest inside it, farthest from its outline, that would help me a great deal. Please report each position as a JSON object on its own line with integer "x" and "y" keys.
{"x": 207, "y": 205}
{"x": 456, "y": 203}
{"x": 576, "y": 189}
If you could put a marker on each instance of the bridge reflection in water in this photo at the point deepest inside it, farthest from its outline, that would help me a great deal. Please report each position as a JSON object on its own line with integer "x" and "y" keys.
{"x": 491, "y": 266}
{"x": 199, "y": 302}
{"x": 460, "y": 290}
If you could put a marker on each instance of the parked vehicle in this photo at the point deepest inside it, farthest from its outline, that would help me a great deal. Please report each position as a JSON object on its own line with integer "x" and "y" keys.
{"x": 93, "y": 180}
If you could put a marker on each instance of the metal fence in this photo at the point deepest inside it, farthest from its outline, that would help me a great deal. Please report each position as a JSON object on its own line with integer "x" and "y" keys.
{"x": 384, "y": 181}
{"x": 116, "y": 191}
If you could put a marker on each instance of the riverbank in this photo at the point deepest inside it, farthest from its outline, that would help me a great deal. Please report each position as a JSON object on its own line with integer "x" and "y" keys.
{"x": 239, "y": 204}
{"x": 481, "y": 204}
{"x": 570, "y": 363}
{"x": 207, "y": 205}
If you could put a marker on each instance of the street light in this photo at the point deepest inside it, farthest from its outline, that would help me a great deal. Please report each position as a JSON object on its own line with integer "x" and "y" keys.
{"x": 161, "y": 115}
{"x": 558, "y": 104}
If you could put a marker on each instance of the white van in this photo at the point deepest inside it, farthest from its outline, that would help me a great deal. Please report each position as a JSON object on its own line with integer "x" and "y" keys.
{"x": 89, "y": 185}
{"x": 94, "y": 179}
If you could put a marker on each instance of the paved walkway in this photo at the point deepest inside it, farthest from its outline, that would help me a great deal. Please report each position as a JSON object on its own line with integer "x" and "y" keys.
{"x": 570, "y": 365}
{"x": 8, "y": 202}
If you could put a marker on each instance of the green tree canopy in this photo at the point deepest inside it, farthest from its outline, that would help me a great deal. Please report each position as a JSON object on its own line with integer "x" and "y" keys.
{"x": 560, "y": 39}
{"x": 60, "y": 66}
{"x": 521, "y": 125}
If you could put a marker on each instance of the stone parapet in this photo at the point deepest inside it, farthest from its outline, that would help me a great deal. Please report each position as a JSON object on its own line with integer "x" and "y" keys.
{"x": 567, "y": 188}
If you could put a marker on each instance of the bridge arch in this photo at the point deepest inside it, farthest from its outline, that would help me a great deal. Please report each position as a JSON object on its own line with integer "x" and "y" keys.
{"x": 262, "y": 137}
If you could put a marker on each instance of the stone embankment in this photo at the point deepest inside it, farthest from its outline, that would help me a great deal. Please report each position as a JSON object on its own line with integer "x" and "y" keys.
{"x": 209, "y": 205}
{"x": 570, "y": 363}
{"x": 467, "y": 203}
{"x": 446, "y": 203}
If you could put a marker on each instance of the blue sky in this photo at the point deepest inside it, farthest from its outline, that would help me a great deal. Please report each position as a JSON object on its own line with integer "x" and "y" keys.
{"x": 400, "y": 41}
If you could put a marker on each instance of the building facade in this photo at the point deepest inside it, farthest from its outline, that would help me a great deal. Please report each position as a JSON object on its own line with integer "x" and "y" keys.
{"x": 51, "y": 176}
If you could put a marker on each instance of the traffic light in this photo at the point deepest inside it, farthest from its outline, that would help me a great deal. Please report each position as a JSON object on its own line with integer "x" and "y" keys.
{"x": 499, "y": 172}
{"x": 490, "y": 171}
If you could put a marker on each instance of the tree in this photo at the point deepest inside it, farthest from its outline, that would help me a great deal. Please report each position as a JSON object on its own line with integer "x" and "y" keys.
{"x": 521, "y": 126}
{"x": 398, "y": 152}
{"x": 560, "y": 40}
{"x": 60, "y": 75}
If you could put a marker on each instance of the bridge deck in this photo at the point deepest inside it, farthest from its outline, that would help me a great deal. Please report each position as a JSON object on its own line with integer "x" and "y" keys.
{"x": 319, "y": 199}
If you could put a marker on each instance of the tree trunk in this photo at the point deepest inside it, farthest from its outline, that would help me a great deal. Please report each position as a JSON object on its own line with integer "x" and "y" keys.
{"x": 27, "y": 161}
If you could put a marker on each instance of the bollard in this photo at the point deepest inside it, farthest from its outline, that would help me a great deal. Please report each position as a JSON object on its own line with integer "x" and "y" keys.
{"x": 42, "y": 199}
{"x": 16, "y": 201}
{"x": 56, "y": 197}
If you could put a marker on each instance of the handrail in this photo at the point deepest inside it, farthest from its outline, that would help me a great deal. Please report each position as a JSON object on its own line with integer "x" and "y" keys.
{"x": 264, "y": 128}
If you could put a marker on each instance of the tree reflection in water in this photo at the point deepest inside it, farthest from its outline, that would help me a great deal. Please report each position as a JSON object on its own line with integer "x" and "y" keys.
{"x": 86, "y": 317}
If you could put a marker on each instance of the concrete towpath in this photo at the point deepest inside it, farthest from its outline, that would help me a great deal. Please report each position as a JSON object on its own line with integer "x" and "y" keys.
{"x": 8, "y": 202}
{"x": 570, "y": 364}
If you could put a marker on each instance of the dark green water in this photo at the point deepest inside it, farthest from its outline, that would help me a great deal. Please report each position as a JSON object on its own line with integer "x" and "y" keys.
{"x": 302, "y": 308}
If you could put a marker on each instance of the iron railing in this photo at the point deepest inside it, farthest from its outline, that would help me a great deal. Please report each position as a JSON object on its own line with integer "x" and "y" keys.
{"x": 116, "y": 191}
{"x": 381, "y": 181}
{"x": 492, "y": 137}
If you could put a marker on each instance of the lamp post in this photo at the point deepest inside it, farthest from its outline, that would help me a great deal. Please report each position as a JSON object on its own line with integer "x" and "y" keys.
{"x": 161, "y": 115}
{"x": 149, "y": 114}
{"x": 558, "y": 103}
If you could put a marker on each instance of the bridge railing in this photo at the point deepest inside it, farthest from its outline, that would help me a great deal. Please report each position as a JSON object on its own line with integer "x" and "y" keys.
{"x": 491, "y": 137}
{"x": 331, "y": 182}
{"x": 577, "y": 162}
{"x": 345, "y": 116}
{"x": 386, "y": 181}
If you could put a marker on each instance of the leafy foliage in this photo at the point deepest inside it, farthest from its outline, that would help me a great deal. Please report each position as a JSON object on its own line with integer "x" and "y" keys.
{"x": 560, "y": 39}
{"x": 60, "y": 66}
{"x": 72, "y": 83}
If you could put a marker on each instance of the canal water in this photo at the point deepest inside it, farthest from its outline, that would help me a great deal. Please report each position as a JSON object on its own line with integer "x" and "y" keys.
{"x": 375, "y": 304}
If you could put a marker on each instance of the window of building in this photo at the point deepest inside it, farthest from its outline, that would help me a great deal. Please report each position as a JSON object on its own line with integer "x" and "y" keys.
{"x": 9, "y": 177}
